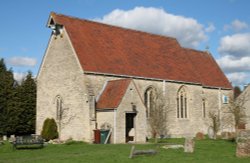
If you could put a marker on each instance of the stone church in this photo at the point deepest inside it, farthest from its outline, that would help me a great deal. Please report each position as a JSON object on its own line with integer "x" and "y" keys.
{"x": 95, "y": 75}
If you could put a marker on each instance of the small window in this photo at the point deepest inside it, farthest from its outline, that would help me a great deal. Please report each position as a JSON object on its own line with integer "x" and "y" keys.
{"x": 181, "y": 103}
{"x": 225, "y": 99}
{"x": 148, "y": 99}
{"x": 58, "y": 108}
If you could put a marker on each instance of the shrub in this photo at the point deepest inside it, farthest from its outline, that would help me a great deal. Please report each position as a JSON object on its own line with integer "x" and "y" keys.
{"x": 49, "y": 131}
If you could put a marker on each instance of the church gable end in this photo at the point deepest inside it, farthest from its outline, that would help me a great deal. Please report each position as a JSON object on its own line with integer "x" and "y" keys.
{"x": 61, "y": 75}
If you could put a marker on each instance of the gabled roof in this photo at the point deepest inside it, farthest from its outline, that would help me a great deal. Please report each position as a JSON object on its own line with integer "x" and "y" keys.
{"x": 113, "y": 93}
{"x": 114, "y": 50}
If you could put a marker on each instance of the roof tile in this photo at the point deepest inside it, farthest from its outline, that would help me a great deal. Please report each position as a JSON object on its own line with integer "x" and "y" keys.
{"x": 113, "y": 94}
{"x": 108, "y": 49}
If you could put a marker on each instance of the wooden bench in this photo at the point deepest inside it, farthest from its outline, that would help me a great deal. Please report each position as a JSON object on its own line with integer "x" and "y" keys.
{"x": 33, "y": 141}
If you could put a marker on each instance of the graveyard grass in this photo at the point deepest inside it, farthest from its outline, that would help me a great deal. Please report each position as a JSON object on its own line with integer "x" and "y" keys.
{"x": 206, "y": 151}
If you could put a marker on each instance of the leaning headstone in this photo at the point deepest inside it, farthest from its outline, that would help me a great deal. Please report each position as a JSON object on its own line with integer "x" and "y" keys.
{"x": 210, "y": 133}
{"x": 243, "y": 143}
{"x": 134, "y": 152}
{"x": 189, "y": 145}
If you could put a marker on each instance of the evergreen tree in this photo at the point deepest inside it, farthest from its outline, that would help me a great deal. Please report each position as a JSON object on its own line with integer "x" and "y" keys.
{"x": 12, "y": 105}
{"x": 17, "y": 103}
{"x": 3, "y": 99}
{"x": 27, "y": 104}
{"x": 7, "y": 104}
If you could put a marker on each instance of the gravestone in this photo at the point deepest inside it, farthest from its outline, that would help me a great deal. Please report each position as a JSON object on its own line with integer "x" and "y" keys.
{"x": 210, "y": 133}
{"x": 173, "y": 146}
{"x": 134, "y": 152}
{"x": 12, "y": 138}
{"x": 189, "y": 145}
{"x": 243, "y": 143}
{"x": 199, "y": 136}
{"x": 4, "y": 138}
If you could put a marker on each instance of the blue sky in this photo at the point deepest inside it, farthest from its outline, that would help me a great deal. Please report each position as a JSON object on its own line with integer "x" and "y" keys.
{"x": 222, "y": 25}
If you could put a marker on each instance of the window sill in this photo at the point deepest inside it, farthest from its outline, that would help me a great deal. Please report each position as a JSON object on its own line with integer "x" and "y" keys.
{"x": 183, "y": 119}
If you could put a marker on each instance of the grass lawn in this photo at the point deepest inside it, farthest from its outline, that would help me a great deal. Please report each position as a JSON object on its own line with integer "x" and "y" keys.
{"x": 211, "y": 151}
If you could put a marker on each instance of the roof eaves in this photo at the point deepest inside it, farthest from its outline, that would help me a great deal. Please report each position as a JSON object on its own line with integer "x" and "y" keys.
{"x": 105, "y": 109}
{"x": 214, "y": 87}
{"x": 138, "y": 77}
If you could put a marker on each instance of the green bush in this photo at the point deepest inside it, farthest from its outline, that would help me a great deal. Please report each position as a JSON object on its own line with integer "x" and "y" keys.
{"x": 49, "y": 131}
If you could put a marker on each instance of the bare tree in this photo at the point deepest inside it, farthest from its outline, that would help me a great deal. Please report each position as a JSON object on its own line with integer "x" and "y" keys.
{"x": 215, "y": 122}
{"x": 232, "y": 115}
{"x": 64, "y": 118}
{"x": 158, "y": 114}
{"x": 237, "y": 109}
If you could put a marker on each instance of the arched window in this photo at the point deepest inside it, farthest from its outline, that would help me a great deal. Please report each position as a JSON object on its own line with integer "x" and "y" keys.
{"x": 58, "y": 108}
{"x": 204, "y": 108}
{"x": 182, "y": 103}
{"x": 148, "y": 99}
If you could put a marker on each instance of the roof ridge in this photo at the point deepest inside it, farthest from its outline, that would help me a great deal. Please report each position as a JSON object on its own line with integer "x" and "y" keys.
{"x": 119, "y": 27}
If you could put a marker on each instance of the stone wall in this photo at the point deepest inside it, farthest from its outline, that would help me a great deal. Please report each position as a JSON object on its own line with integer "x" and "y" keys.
{"x": 106, "y": 117}
{"x": 176, "y": 127}
{"x": 61, "y": 75}
{"x": 131, "y": 103}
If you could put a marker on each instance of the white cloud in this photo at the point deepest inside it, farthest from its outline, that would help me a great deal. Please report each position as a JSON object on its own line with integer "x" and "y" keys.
{"x": 231, "y": 64}
{"x": 235, "y": 60}
{"x": 236, "y": 25}
{"x": 188, "y": 31}
{"x": 19, "y": 76}
{"x": 238, "y": 78}
{"x": 210, "y": 27}
{"x": 22, "y": 61}
{"x": 236, "y": 45}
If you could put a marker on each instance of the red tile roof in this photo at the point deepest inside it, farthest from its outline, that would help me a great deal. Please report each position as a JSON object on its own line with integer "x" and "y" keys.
{"x": 207, "y": 69}
{"x": 113, "y": 94}
{"x": 114, "y": 50}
